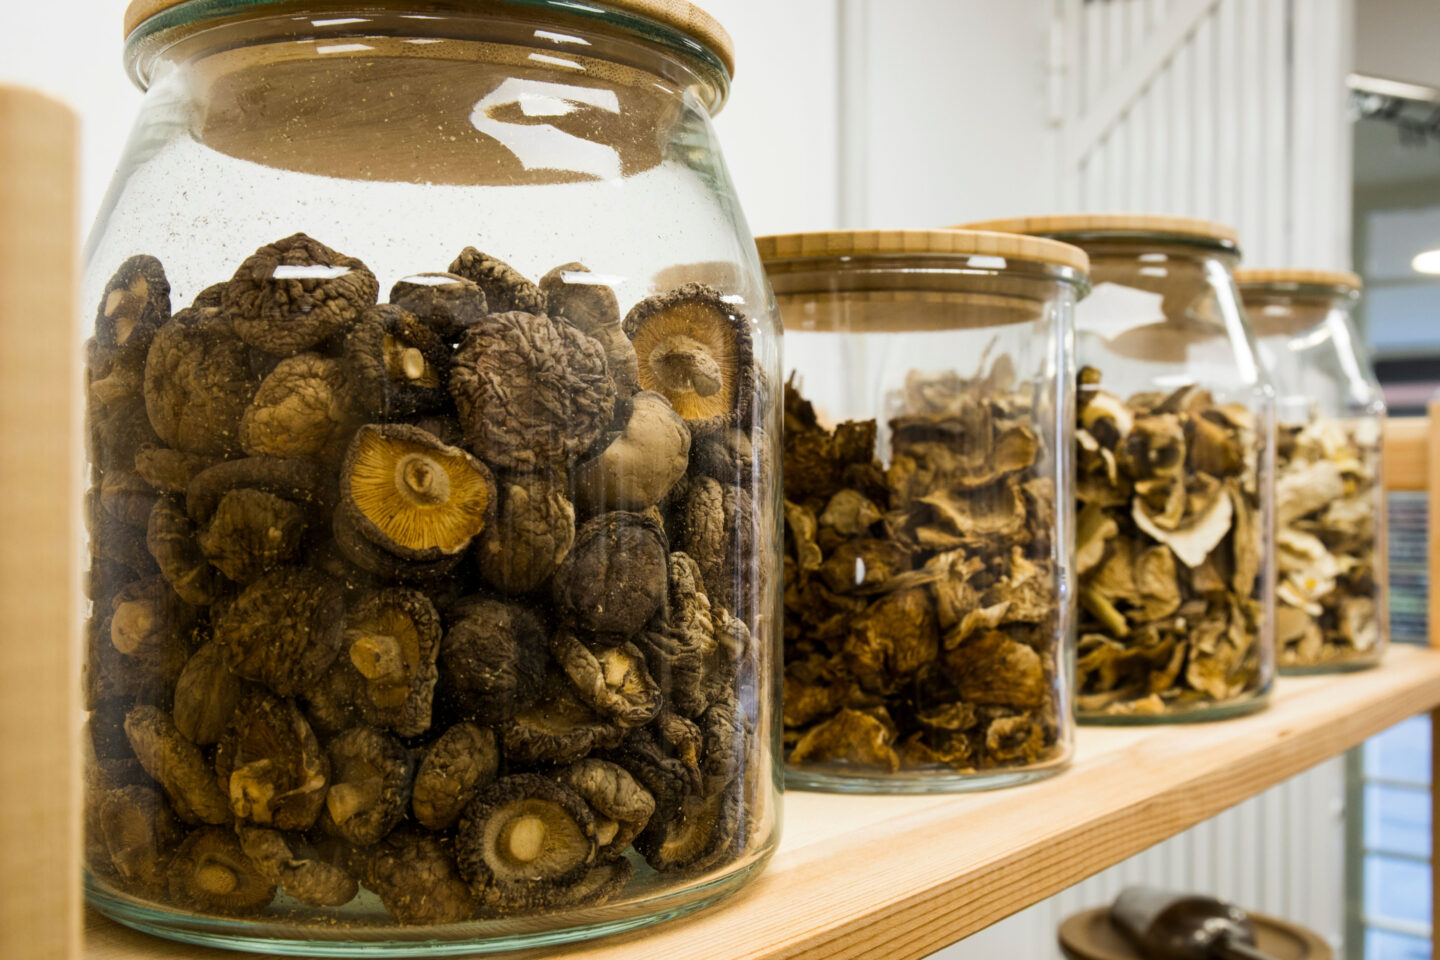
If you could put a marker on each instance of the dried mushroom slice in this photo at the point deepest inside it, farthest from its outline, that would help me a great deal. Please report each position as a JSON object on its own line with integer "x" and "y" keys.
{"x": 177, "y": 765}
{"x": 641, "y": 465}
{"x": 139, "y": 834}
{"x": 370, "y": 780}
{"x": 523, "y": 832}
{"x": 206, "y": 695}
{"x": 198, "y": 384}
{"x": 505, "y": 287}
{"x": 212, "y": 874}
{"x": 558, "y": 728}
{"x": 313, "y": 882}
{"x": 397, "y": 365}
{"x": 251, "y": 533}
{"x": 531, "y": 392}
{"x": 409, "y": 504}
{"x": 447, "y": 303}
{"x": 295, "y": 293}
{"x": 392, "y": 638}
{"x": 270, "y": 764}
{"x": 492, "y": 659}
{"x": 621, "y": 806}
{"x": 695, "y": 349}
{"x": 695, "y": 839}
{"x": 459, "y": 764}
{"x": 135, "y": 304}
{"x": 614, "y": 578}
{"x": 307, "y": 406}
{"x": 611, "y": 680}
{"x": 169, "y": 470}
{"x": 533, "y": 531}
{"x": 414, "y": 875}
{"x": 173, "y": 541}
{"x": 284, "y": 630}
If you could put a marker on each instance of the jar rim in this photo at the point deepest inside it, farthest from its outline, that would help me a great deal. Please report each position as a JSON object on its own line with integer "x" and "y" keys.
{"x": 1118, "y": 226}
{"x": 678, "y": 26}
{"x": 828, "y": 244}
{"x": 1302, "y": 281}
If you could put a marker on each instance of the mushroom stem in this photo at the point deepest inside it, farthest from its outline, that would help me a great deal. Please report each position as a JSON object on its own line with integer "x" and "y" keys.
{"x": 525, "y": 839}
{"x": 134, "y": 625}
{"x": 412, "y": 363}
{"x": 377, "y": 656}
{"x": 682, "y": 362}
{"x": 422, "y": 480}
{"x": 346, "y": 800}
{"x": 216, "y": 879}
{"x": 605, "y": 830}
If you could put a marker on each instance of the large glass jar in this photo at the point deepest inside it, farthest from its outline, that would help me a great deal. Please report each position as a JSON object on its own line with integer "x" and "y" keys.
{"x": 929, "y": 412}
{"x": 1331, "y": 603}
{"x": 1174, "y": 474}
{"x": 432, "y": 396}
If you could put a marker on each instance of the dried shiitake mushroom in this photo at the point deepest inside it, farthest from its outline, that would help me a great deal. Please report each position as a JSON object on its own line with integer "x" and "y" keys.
{"x": 640, "y": 466}
{"x": 505, "y": 287}
{"x": 397, "y": 365}
{"x": 414, "y": 874}
{"x": 392, "y": 638}
{"x": 445, "y": 302}
{"x": 251, "y": 533}
{"x": 169, "y": 470}
{"x": 525, "y": 831}
{"x": 599, "y": 885}
{"x": 284, "y": 630}
{"x": 153, "y": 627}
{"x": 370, "y": 780}
{"x": 198, "y": 384}
{"x": 558, "y": 728}
{"x": 177, "y": 765}
{"x": 492, "y": 659}
{"x": 211, "y": 874}
{"x": 531, "y": 392}
{"x": 682, "y": 648}
{"x": 270, "y": 764}
{"x": 307, "y": 406}
{"x": 611, "y": 680}
{"x": 533, "y": 531}
{"x": 459, "y": 764}
{"x": 126, "y": 496}
{"x": 620, "y": 805}
{"x": 206, "y": 695}
{"x": 409, "y": 504}
{"x": 614, "y": 578}
{"x": 695, "y": 349}
{"x": 295, "y": 293}
{"x": 576, "y": 296}
{"x": 696, "y": 838}
{"x": 305, "y": 482}
{"x": 135, "y": 304}
{"x": 312, "y": 881}
{"x": 173, "y": 541}
{"x": 139, "y": 834}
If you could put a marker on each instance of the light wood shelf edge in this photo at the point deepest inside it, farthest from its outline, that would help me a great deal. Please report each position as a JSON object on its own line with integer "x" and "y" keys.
{"x": 1405, "y": 454}
{"x": 901, "y": 877}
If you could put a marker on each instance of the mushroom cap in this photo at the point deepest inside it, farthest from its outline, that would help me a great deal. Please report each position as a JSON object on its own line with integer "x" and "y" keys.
{"x": 492, "y": 659}
{"x": 614, "y": 578}
{"x": 505, "y": 287}
{"x": 525, "y": 831}
{"x": 446, "y": 302}
{"x": 459, "y": 764}
{"x": 571, "y": 297}
{"x": 396, "y": 364}
{"x": 198, "y": 383}
{"x": 641, "y": 465}
{"x": 211, "y": 873}
{"x": 306, "y": 407}
{"x": 271, "y": 765}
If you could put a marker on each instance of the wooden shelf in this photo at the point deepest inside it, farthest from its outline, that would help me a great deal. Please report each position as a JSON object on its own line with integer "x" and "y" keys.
{"x": 901, "y": 877}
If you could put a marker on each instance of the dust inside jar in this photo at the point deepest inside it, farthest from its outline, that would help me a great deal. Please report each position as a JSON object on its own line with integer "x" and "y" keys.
{"x": 392, "y": 601}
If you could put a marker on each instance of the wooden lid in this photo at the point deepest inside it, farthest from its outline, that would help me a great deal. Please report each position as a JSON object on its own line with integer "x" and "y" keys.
{"x": 859, "y": 243}
{"x": 1300, "y": 277}
{"x": 679, "y": 15}
{"x": 1066, "y": 224}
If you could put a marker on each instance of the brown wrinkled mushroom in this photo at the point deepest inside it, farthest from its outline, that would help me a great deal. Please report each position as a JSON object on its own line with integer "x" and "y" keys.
{"x": 620, "y": 805}
{"x": 533, "y": 531}
{"x": 392, "y": 638}
{"x": 252, "y": 533}
{"x": 414, "y": 875}
{"x": 459, "y": 764}
{"x": 290, "y": 295}
{"x": 505, "y": 287}
{"x": 206, "y": 695}
{"x": 313, "y": 882}
{"x": 694, "y": 839}
{"x": 525, "y": 832}
{"x": 126, "y": 496}
{"x": 198, "y": 384}
{"x": 661, "y": 764}
{"x": 370, "y": 780}
{"x": 558, "y": 728}
{"x": 611, "y": 680}
{"x": 592, "y": 308}
{"x": 614, "y": 578}
{"x": 169, "y": 470}
{"x": 695, "y": 349}
{"x": 850, "y": 736}
{"x": 139, "y": 834}
{"x": 445, "y": 302}
{"x": 640, "y": 466}
{"x": 153, "y": 626}
{"x": 270, "y": 764}
{"x": 682, "y": 650}
{"x": 730, "y": 456}
{"x": 598, "y": 886}
{"x": 725, "y": 748}
{"x": 304, "y": 482}
{"x": 177, "y": 765}
{"x": 284, "y": 630}
{"x": 397, "y": 365}
{"x": 173, "y": 541}
{"x": 492, "y": 659}
{"x": 307, "y": 406}
{"x": 211, "y": 874}
{"x": 409, "y": 504}
{"x": 135, "y": 304}
{"x": 531, "y": 392}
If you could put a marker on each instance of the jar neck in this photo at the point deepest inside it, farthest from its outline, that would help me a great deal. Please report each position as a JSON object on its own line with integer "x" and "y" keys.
{"x": 1294, "y": 310}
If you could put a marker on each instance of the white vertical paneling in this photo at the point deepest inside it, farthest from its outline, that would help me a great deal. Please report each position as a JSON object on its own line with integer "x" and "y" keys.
{"x": 1227, "y": 94}
{"x": 1202, "y": 81}
{"x": 1278, "y": 102}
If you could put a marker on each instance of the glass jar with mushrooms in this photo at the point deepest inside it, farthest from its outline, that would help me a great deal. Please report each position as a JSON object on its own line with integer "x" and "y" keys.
{"x": 929, "y": 407}
{"x": 1174, "y": 463}
{"x": 1331, "y": 593}
{"x": 433, "y": 410}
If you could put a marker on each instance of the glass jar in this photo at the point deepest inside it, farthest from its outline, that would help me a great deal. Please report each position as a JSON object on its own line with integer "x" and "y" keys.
{"x": 1174, "y": 474}
{"x": 929, "y": 412}
{"x": 1331, "y": 597}
{"x": 444, "y": 623}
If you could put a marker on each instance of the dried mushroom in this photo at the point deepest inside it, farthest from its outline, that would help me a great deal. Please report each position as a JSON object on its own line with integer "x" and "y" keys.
{"x": 683, "y": 647}
{"x": 139, "y": 834}
{"x": 173, "y": 541}
{"x": 169, "y": 470}
{"x": 445, "y": 302}
{"x": 211, "y": 874}
{"x": 312, "y": 881}
{"x": 415, "y": 876}
{"x": 284, "y": 630}
{"x": 694, "y": 839}
{"x": 505, "y": 287}
{"x": 370, "y": 782}
{"x": 198, "y": 384}
{"x": 640, "y": 466}
{"x": 611, "y": 680}
{"x": 206, "y": 695}
{"x": 270, "y": 764}
{"x": 523, "y": 833}
{"x": 307, "y": 406}
{"x": 531, "y": 392}
{"x": 533, "y": 531}
{"x": 613, "y": 580}
{"x": 620, "y": 805}
{"x": 573, "y": 294}
{"x": 695, "y": 350}
{"x": 294, "y": 294}
{"x": 251, "y": 533}
{"x": 396, "y": 365}
{"x": 492, "y": 659}
{"x": 409, "y": 504}
{"x": 460, "y": 763}
{"x": 557, "y": 728}
{"x": 135, "y": 304}
{"x": 392, "y": 639}
{"x": 177, "y": 765}
{"x": 599, "y": 885}
{"x": 127, "y": 497}
{"x": 304, "y": 482}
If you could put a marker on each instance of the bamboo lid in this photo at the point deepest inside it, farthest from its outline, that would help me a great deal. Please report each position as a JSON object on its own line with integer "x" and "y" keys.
{"x": 679, "y": 15}
{"x": 1066, "y": 224}
{"x": 1299, "y": 277}
{"x": 859, "y": 243}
